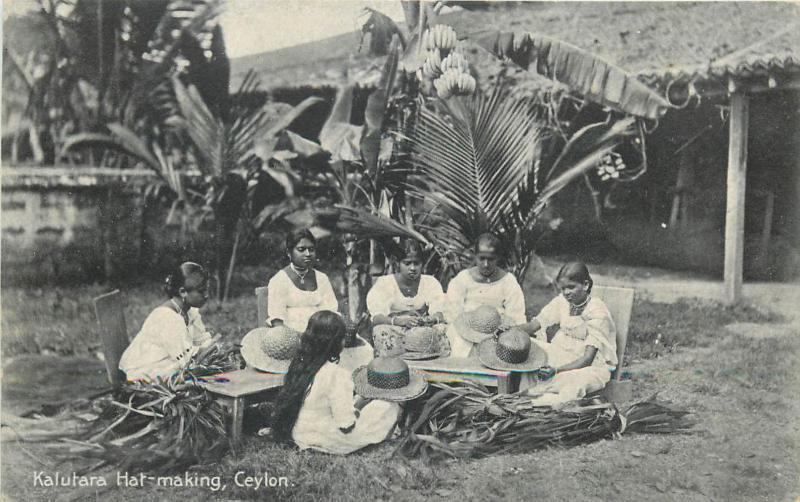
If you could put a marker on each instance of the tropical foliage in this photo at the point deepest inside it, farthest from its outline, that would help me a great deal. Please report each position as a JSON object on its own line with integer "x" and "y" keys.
{"x": 468, "y": 421}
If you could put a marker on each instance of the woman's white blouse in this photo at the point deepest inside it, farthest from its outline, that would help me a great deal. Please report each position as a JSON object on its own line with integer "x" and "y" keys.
{"x": 594, "y": 327}
{"x": 385, "y": 296}
{"x": 164, "y": 345}
{"x": 465, "y": 294}
{"x": 294, "y": 306}
{"x": 329, "y": 407}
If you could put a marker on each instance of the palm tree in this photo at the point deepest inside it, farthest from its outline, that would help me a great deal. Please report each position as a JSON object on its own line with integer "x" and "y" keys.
{"x": 479, "y": 168}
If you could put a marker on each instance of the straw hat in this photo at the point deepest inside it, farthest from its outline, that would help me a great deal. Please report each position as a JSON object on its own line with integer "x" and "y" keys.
{"x": 425, "y": 342}
{"x": 511, "y": 351}
{"x": 270, "y": 349}
{"x": 389, "y": 379}
{"x": 477, "y": 325}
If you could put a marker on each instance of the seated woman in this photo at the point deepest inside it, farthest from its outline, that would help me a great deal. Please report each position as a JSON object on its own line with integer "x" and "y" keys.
{"x": 583, "y": 350}
{"x": 484, "y": 284}
{"x": 297, "y": 291}
{"x": 174, "y": 331}
{"x": 316, "y": 406}
{"x": 404, "y": 300}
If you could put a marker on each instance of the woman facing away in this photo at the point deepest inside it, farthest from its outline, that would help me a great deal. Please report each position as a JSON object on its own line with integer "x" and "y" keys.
{"x": 404, "y": 300}
{"x": 316, "y": 406}
{"x": 297, "y": 291}
{"x": 174, "y": 331}
{"x": 486, "y": 283}
{"x": 583, "y": 352}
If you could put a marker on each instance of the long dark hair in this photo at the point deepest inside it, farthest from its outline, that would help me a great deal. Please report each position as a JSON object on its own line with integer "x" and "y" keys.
{"x": 321, "y": 342}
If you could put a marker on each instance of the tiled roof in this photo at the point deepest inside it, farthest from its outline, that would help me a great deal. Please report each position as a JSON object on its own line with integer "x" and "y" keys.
{"x": 660, "y": 41}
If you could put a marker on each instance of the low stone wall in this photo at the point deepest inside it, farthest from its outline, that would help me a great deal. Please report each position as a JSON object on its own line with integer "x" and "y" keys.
{"x": 69, "y": 223}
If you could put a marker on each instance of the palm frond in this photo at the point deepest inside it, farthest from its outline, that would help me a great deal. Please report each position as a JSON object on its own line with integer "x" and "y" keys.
{"x": 598, "y": 80}
{"x": 473, "y": 157}
{"x": 206, "y": 131}
{"x": 467, "y": 421}
{"x": 371, "y": 225}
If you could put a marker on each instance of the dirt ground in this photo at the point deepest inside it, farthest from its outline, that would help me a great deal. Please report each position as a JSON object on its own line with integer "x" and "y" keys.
{"x": 743, "y": 389}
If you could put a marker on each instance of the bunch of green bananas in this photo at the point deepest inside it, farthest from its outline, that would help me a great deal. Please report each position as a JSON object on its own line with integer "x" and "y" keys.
{"x": 440, "y": 36}
{"x": 453, "y": 82}
{"x": 455, "y": 61}
{"x": 431, "y": 68}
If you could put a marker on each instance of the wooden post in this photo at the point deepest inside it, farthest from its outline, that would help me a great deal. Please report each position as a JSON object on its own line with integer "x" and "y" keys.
{"x": 734, "y": 211}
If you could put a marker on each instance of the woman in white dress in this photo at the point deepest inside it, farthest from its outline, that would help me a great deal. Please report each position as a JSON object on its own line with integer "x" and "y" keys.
{"x": 174, "y": 331}
{"x": 317, "y": 408}
{"x": 484, "y": 284}
{"x": 298, "y": 291}
{"x": 583, "y": 351}
{"x": 404, "y": 300}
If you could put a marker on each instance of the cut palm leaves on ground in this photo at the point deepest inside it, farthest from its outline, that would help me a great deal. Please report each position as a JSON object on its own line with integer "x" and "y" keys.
{"x": 164, "y": 425}
{"x": 468, "y": 421}
{"x": 596, "y": 79}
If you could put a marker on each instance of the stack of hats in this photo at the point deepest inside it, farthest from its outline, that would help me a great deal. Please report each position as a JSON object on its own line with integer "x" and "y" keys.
{"x": 511, "y": 350}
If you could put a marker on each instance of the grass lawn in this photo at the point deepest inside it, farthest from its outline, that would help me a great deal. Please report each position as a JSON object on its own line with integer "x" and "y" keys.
{"x": 742, "y": 389}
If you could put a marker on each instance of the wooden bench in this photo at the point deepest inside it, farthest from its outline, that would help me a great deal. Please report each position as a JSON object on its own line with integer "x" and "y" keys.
{"x": 242, "y": 386}
{"x": 459, "y": 369}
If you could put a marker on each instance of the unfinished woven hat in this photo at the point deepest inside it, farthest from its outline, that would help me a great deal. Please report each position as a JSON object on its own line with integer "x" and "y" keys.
{"x": 425, "y": 342}
{"x": 270, "y": 349}
{"x": 511, "y": 350}
{"x": 477, "y": 325}
{"x": 389, "y": 379}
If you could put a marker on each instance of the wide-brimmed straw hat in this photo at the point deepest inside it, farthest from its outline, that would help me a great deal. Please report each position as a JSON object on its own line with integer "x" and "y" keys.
{"x": 270, "y": 349}
{"x": 477, "y": 325}
{"x": 389, "y": 379}
{"x": 425, "y": 342}
{"x": 511, "y": 350}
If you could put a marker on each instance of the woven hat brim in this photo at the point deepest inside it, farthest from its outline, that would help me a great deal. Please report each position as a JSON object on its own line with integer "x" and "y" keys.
{"x": 469, "y": 334}
{"x": 416, "y": 387}
{"x": 257, "y": 359}
{"x": 488, "y": 357}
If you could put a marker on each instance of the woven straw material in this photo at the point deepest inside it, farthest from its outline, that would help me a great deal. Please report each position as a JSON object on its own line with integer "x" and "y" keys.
{"x": 419, "y": 339}
{"x": 270, "y": 349}
{"x": 439, "y": 346}
{"x": 484, "y": 319}
{"x": 469, "y": 334}
{"x": 509, "y": 357}
{"x": 389, "y": 379}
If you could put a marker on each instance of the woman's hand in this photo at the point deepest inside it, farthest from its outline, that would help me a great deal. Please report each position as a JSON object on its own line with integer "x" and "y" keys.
{"x": 407, "y": 321}
{"x": 361, "y": 402}
{"x": 546, "y": 373}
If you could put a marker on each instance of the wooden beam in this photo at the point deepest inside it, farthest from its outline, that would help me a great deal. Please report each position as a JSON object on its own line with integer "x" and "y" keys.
{"x": 734, "y": 211}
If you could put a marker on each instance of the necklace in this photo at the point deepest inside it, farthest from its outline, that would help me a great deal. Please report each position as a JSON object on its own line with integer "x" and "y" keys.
{"x": 578, "y": 309}
{"x": 301, "y": 276}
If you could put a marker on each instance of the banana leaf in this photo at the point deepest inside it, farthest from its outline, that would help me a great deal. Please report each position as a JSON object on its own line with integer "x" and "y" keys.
{"x": 593, "y": 77}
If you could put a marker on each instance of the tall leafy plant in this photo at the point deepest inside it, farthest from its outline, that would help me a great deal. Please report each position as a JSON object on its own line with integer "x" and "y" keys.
{"x": 479, "y": 169}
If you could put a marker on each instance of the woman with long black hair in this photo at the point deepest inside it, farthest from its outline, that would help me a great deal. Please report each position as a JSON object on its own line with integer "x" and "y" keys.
{"x": 316, "y": 406}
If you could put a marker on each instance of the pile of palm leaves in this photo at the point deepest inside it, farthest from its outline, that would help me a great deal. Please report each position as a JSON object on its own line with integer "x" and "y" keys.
{"x": 469, "y": 421}
{"x": 168, "y": 424}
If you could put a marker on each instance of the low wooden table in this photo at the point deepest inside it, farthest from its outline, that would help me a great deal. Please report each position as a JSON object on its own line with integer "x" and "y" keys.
{"x": 242, "y": 385}
{"x": 459, "y": 369}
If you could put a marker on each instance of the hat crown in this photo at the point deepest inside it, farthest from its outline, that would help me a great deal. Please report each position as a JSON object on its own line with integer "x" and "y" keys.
{"x": 419, "y": 339}
{"x": 280, "y": 342}
{"x": 513, "y": 346}
{"x": 484, "y": 319}
{"x": 388, "y": 373}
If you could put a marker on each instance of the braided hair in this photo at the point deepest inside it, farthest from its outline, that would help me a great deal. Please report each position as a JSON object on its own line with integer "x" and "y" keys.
{"x": 321, "y": 343}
